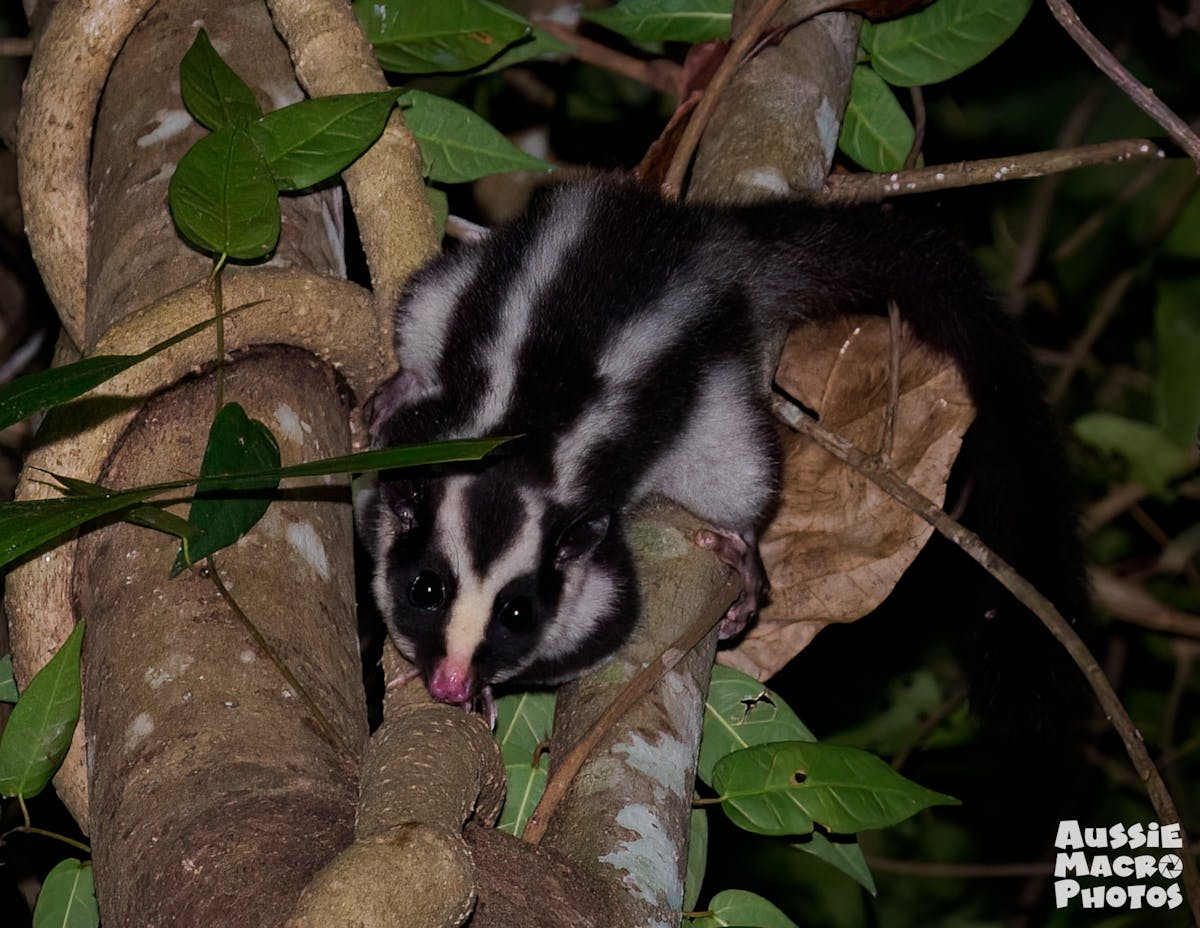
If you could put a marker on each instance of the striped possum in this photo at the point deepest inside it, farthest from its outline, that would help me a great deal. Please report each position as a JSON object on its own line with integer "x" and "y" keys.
{"x": 629, "y": 341}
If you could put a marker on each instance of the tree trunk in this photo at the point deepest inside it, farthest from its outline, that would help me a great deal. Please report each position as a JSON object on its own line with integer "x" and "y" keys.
{"x": 213, "y": 789}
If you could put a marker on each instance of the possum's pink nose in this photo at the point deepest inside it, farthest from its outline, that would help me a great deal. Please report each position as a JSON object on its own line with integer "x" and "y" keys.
{"x": 452, "y": 681}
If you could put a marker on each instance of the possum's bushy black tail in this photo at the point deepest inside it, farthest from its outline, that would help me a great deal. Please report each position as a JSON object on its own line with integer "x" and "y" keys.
{"x": 1011, "y": 483}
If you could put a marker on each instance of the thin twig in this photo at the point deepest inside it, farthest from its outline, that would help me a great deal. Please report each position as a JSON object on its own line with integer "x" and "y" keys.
{"x": 660, "y": 73}
{"x": 1110, "y": 301}
{"x": 673, "y": 184}
{"x": 566, "y": 769}
{"x": 1131, "y": 603}
{"x": 1037, "y": 221}
{"x": 1114, "y": 503}
{"x": 1185, "y": 660}
{"x": 1138, "y": 92}
{"x": 865, "y": 187}
{"x": 931, "y": 724}
{"x": 895, "y": 340}
{"x": 218, "y": 298}
{"x": 1025, "y": 593}
{"x": 16, "y": 47}
{"x": 1083, "y": 233}
{"x": 263, "y": 646}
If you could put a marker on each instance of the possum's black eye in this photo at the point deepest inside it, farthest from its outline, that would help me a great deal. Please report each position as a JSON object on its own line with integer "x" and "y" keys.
{"x": 517, "y": 614}
{"x": 427, "y": 590}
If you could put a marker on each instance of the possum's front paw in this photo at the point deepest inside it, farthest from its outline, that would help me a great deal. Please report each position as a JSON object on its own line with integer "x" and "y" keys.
{"x": 740, "y": 551}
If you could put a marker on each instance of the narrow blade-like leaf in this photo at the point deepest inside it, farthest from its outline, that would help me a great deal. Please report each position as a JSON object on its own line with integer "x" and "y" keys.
{"x": 58, "y": 385}
{"x": 28, "y": 524}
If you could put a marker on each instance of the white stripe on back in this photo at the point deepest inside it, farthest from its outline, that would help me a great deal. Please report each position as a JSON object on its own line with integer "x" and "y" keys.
{"x": 424, "y": 321}
{"x": 622, "y": 368}
{"x": 542, "y": 264}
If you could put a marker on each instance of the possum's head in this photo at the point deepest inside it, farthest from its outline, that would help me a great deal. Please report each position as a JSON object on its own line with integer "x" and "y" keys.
{"x": 482, "y": 579}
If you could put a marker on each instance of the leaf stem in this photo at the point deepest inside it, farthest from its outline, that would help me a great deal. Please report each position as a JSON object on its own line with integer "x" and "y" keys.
{"x": 31, "y": 830}
{"x": 214, "y": 282}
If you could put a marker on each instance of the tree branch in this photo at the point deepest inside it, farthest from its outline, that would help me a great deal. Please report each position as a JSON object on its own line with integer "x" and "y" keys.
{"x": 866, "y": 187}
{"x": 1025, "y": 592}
{"x": 1138, "y": 92}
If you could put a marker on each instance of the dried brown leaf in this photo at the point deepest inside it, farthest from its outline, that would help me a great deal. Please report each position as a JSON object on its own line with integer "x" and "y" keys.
{"x": 838, "y": 544}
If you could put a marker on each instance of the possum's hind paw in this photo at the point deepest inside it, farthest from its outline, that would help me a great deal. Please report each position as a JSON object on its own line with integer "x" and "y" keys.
{"x": 740, "y": 551}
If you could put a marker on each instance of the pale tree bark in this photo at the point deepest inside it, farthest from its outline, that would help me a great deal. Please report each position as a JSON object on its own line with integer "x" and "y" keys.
{"x": 212, "y": 788}
{"x": 214, "y": 792}
{"x": 626, "y": 820}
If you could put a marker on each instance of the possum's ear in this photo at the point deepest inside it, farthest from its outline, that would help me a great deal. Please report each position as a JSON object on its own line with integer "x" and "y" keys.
{"x": 401, "y": 498}
{"x": 401, "y": 389}
{"x": 582, "y": 536}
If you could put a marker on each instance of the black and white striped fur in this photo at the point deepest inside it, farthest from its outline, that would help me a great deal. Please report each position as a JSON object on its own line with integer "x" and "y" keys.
{"x": 628, "y": 339}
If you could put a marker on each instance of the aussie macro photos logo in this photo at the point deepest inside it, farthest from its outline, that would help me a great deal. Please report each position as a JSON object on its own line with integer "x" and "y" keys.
{"x": 1119, "y": 867}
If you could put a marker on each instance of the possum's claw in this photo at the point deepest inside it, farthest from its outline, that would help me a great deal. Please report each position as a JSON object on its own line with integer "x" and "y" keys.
{"x": 740, "y": 551}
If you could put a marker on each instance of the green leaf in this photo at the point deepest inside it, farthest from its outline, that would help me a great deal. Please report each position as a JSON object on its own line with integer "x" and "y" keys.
{"x": 786, "y": 787}
{"x": 876, "y": 132}
{"x": 523, "y": 721}
{"x": 8, "y": 683}
{"x": 1183, "y": 241}
{"x": 458, "y": 146}
{"x": 28, "y": 524}
{"x": 236, "y": 444}
{"x": 747, "y": 910}
{"x": 941, "y": 40}
{"x": 39, "y": 730}
{"x": 449, "y": 35}
{"x": 536, "y": 45}
{"x": 667, "y": 20}
{"x": 740, "y": 712}
{"x": 53, "y": 387}
{"x": 307, "y": 142}
{"x": 1177, "y": 333}
{"x": 845, "y": 855}
{"x": 151, "y": 516}
{"x": 212, "y": 92}
{"x": 223, "y": 198}
{"x": 1153, "y": 459}
{"x": 697, "y": 860}
{"x": 68, "y": 897}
